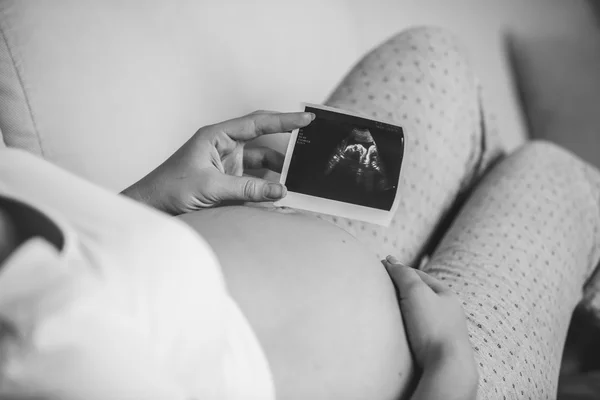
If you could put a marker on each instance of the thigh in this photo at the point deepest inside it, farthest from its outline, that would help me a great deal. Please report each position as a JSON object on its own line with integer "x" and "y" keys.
{"x": 322, "y": 306}
{"x": 518, "y": 256}
{"x": 422, "y": 81}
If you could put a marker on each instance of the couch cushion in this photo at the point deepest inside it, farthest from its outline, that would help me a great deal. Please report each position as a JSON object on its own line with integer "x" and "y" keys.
{"x": 110, "y": 89}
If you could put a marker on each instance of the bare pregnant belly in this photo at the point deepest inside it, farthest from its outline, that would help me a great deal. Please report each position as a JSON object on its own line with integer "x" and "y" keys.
{"x": 322, "y": 306}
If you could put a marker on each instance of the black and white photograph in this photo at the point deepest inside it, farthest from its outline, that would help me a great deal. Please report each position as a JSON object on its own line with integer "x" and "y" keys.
{"x": 300, "y": 200}
{"x": 345, "y": 165}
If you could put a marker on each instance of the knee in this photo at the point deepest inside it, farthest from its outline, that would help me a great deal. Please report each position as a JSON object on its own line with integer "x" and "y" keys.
{"x": 549, "y": 177}
{"x": 424, "y": 68}
{"x": 427, "y": 71}
{"x": 547, "y": 156}
{"x": 429, "y": 35}
{"x": 434, "y": 53}
{"x": 561, "y": 171}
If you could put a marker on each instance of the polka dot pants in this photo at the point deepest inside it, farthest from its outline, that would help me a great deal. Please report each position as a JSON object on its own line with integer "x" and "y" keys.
{"x": 524, "y": 244}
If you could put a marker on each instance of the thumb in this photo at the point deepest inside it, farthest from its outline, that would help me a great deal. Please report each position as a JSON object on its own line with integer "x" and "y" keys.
{"x": 244, "y": 188}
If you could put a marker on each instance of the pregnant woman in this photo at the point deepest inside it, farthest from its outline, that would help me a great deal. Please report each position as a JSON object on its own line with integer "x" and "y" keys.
{"x": 142, "y": 311}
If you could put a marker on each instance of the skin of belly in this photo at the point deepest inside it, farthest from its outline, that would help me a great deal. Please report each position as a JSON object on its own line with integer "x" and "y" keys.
{"x": 322, "y": 306}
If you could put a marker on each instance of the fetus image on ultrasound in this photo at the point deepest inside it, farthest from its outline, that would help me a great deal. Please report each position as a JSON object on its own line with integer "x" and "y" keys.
{"x": 347, "y": 158}
{"x": 357, "y": 158}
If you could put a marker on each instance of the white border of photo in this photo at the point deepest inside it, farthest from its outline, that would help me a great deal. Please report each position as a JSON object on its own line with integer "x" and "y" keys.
{"x": 333, "y": 207}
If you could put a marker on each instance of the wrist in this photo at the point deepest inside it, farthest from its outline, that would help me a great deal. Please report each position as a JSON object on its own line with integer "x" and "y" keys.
{"x": 457, "y": 356}
{"x": 459, "y": 351}
{"x": 449, "y": 373}
{"x": 140, "y": 192}
{"x": 132, "y": 192}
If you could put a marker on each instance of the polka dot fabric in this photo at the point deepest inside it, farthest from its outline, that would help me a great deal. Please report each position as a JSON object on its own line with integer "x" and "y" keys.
{"x": 527, "y": 240}
{"x": 518, "y": 256}
{"x": 420, "y": 80}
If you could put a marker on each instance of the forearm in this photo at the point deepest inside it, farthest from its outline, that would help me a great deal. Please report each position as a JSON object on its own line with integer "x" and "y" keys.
{"x": 452, "y": 376}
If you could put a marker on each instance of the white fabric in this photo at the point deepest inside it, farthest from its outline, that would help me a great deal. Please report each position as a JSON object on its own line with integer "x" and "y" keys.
{"x": 133, "y": 307}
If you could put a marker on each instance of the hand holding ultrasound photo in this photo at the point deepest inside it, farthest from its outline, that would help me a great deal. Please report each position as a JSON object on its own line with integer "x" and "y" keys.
{"x": 344, "y": 165}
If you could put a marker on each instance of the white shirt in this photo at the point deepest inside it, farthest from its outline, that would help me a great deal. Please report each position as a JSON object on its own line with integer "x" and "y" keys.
{"x": 133, "y": 306}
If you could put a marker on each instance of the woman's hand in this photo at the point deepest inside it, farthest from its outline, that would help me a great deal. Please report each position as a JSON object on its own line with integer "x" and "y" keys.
{"x": 434, "y": 318}
{"x": 207, "y": 169}
{"x": 437, "y": 333}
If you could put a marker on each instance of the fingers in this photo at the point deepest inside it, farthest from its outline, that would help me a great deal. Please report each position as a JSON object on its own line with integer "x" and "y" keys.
{"x": 264, "y": 112}
{"x": 435, "y": 284}
{"x": 245, "y": 188}
{"x": 263, "y": 157}
{"x": 269, "y": 112}
{"x": 406, "y": 278}
{"x": 254, "y": 125}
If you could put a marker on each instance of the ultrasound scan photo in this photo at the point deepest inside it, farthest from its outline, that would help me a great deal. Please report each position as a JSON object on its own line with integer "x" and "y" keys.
{"x": 345, "y": 159}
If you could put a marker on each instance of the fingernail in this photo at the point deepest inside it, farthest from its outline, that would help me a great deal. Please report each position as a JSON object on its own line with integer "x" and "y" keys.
{"x": 392, "y": 259}
{"x": 274, "y": 191}
{"x": 312, "y": 116}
